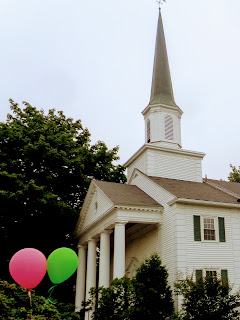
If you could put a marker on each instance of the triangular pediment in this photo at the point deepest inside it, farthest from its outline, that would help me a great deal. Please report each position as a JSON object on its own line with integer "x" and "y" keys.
{"x": 96, "y": 203}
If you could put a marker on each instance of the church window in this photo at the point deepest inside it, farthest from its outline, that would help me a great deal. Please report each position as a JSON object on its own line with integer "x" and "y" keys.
{"x": 169, "y": 128}
{"x": 148, "y": 131}
{"x": 209, "y": 229}
{"x": 211, "y": 273}
{"x": 221, "y": 274}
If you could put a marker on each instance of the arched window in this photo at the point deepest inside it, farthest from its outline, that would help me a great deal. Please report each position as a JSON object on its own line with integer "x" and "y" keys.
{"x": 148, "y": 131}
{"x": 168, "y": 127}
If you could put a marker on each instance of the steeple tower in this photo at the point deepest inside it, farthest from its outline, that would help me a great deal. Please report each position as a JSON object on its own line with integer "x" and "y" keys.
{"x": 162, "y": 115}
{"x": 162, "y": 154}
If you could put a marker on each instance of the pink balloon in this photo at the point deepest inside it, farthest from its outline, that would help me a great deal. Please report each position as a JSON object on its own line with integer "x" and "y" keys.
{"x": 28, "y": 267}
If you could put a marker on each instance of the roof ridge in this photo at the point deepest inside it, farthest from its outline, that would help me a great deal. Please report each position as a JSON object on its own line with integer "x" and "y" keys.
{"x": 214, "y": 185}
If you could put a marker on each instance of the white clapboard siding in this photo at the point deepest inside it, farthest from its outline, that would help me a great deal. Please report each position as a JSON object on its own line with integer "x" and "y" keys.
{"x": 202, "y": 254}
{"x": 179, "y": 242}
{"x": 94, "y": 211}
{"x": 139, "y": 249}
{"x": 173, "y": 166}
{"x": 168, "y": 164}
{"x": 162, "y": 197}
{"x": 235, "y": 221}
{"x": 139, "y": 163}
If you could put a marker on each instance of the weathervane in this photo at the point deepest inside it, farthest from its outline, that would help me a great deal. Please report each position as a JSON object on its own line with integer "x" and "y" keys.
{"x": 160, "y": 3}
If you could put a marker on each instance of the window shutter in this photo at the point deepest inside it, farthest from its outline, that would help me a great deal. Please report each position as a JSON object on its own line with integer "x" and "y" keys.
{"x": 221, "y": 225}
{"x": 197, "y": 229}
{"x": 224, "y": 276}
{"x": 199, "y": 275}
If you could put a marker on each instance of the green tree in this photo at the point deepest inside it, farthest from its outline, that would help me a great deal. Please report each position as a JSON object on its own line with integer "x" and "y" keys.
{"x": 153, "y": 294}
{"x": 46, "y": 165}
{"x": 207, "y": 299}
{"x": 146, "y": 296}
{"x": 234, "y": 176}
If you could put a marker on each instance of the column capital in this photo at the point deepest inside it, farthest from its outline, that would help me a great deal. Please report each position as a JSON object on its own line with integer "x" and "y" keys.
{"x": 92, "y": 239}
{"x": 81, "y": 246}
{"x": 121, "y": 222}
{"x": 107, "y": 231}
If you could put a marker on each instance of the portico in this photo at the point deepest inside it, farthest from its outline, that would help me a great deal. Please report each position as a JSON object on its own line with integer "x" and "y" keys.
{"x": 110, "y": 231}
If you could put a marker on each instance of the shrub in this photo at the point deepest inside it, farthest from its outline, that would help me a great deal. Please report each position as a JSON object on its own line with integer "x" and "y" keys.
{"x": 15, "y": 304}
{"x": 146, "y": 296}
{"x": 207, "y": 299}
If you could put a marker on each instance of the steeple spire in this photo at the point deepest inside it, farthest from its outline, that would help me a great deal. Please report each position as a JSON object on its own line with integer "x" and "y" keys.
{"x": 162, "y": 92}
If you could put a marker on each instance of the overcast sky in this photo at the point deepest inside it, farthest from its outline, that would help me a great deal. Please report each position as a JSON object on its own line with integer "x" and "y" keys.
{"x": 93, "y": 59}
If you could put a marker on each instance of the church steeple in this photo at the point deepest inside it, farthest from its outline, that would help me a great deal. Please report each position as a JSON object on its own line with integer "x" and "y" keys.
{"x": 162, "y": 115}
{"x": 162, "y": 92}
{"x": 162, "y": 154}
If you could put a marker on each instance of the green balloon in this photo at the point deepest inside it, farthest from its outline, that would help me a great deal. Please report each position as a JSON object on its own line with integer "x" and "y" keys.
{"x": 61, "y": 264}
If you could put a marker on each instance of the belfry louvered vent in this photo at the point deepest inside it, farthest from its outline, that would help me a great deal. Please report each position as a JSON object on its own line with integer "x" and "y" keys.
{"x": 168, "y": 128}
{"x": 148, "y": 131}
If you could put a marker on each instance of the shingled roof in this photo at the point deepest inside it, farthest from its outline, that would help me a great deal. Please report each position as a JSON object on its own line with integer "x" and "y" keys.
{"x": 200, "y": 191}
{"x": 233, "y": 187}
{"x": 124, "y": 194}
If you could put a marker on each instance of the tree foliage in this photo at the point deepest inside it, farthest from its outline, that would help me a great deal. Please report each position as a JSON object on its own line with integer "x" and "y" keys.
{"x": 116, "y": 302}
{"x": 15, "y": 304}
{"x": 153, "y": 294}
{"x": 207, "y": 299}
{"x": 46, "y": 165}
{"x": 146, "y": 296}
{"x": 234, "y": 176}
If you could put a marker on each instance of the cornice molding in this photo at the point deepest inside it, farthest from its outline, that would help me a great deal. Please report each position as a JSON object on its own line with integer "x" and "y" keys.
{"x": 204, "y": 203}
{"x": 163, "y": 149}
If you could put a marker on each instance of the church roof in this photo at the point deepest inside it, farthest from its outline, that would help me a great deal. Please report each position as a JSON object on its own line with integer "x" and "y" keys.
{"x": 162, "y": 92}
{"x": 233, "y": 187}
{"x": 124, "y": 194}
{"x": 200, "y": 191}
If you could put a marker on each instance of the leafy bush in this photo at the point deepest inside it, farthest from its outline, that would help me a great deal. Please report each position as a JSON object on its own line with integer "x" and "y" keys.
{"x": 15, "y": 304}
{"x": 146, "y": 296}
{"x": 207, "y": 299}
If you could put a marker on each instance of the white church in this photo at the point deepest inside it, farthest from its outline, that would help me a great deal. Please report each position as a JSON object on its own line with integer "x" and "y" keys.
{"x": 166, "y": 207}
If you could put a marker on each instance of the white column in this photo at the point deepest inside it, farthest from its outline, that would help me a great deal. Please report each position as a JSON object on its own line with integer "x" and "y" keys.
{"x": 91, "y": 271}
{"x": 119, "y": 250}
{"x": 104, "y": 265}
{"x": 81, "y": 277}
{"x": 91, "y": 266}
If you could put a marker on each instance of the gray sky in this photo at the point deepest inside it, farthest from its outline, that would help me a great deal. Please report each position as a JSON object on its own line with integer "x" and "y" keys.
{"x": 93, "y": 60}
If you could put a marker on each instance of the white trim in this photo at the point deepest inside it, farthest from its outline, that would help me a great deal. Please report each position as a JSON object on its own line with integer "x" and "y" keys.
{"x": 119, "y": 214}
{"x": 157, "y": 106}
{"x": 218, "y": 271}
{"x": 216, "y": 228}
{"x": 204, "y": 203}
{"x": 157, "y": 185}
{"x": 168, "y": 150}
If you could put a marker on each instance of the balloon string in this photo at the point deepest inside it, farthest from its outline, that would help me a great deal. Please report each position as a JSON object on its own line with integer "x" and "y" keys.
{"x": 30, "y": 297}
{"x": 50, "y": 291}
